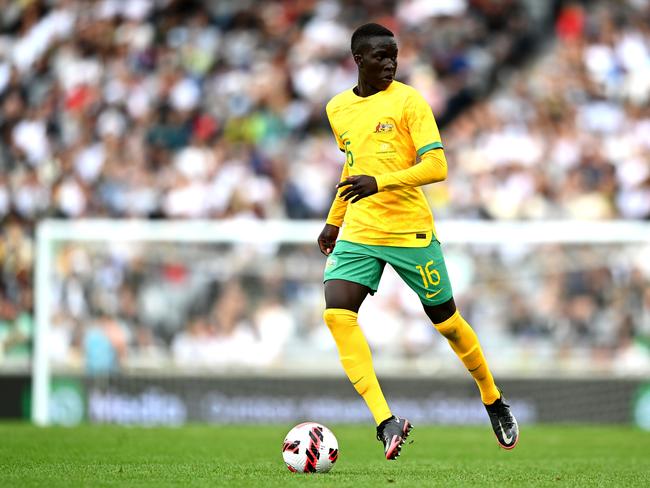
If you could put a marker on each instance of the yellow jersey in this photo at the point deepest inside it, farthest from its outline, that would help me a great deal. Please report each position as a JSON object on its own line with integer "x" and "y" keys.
{"x": 380, "y": 134}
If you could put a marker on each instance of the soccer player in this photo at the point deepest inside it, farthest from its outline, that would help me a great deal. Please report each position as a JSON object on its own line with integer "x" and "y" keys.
{"x": 392, "y": 147}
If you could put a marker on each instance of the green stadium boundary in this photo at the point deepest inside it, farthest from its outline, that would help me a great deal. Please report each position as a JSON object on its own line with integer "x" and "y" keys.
{"x": 177, "y": 400}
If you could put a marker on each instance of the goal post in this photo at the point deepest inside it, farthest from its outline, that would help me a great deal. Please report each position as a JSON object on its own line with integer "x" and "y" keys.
{"x": 51, "y": 231}
{"x": 495, "y": 235}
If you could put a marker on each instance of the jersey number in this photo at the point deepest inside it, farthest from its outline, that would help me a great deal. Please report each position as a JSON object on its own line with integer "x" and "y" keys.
{"x": 349, "y": 157}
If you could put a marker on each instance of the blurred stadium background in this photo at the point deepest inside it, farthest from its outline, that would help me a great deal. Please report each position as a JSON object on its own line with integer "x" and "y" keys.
{"x": 166, "y": 167}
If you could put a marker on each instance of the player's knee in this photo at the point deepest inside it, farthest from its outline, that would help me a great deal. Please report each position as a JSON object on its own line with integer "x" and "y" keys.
{"x": 442, "y": 312}
{"x": 450, "y": 334}
{"x": 329, "y": 316}
{"x": 334, "y": 317}
{"x": 450, "y": 327}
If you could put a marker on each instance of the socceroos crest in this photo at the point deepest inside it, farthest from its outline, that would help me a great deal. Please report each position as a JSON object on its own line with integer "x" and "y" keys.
{"x": 381, "y": 127}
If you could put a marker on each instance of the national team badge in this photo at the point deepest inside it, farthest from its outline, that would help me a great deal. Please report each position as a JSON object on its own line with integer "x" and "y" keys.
{"x": 381, "y": 127}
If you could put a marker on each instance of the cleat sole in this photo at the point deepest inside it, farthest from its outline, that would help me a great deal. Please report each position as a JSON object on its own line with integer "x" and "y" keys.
{"x": 507, "y": 448}
{"x": 395, "y": 448}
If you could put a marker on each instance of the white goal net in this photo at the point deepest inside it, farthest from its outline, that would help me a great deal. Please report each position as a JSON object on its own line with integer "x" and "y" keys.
{"x": 245, "y": 297}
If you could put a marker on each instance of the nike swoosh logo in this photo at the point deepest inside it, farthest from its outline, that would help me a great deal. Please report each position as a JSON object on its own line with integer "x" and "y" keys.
{"x": 431, "y": 295}
{"x": 355, "y": 382}
{"x": 341, "y": 135}
{"x": 506, "y": 439}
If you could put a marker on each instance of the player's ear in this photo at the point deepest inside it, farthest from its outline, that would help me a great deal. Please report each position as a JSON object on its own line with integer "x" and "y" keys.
{"x": 358, "y": 58}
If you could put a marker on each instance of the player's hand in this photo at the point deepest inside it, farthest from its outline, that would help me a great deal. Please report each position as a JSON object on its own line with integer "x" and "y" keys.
{"x": 358, "y": 187}
{"x": 327, "y": 238}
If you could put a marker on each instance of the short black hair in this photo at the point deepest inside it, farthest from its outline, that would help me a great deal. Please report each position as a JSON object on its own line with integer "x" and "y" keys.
{"x": 361, "y": 35}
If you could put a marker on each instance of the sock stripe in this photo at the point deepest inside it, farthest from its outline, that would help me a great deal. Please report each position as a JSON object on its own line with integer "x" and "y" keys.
{"x": 468, "y": 353}
{"x": 445, "y": 324}
{"x": 341, "y": 311}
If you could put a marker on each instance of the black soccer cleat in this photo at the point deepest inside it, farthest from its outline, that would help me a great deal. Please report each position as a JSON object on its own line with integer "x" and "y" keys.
{"x": 393, "y": 432}
{"x": 504, "y": 423}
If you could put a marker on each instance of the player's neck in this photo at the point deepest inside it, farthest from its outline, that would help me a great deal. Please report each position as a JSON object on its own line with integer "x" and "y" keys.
{"x": 364, "y": 89}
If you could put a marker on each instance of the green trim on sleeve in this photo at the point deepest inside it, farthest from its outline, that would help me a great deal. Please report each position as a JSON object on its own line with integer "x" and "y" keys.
{"x": 428, "y": 147}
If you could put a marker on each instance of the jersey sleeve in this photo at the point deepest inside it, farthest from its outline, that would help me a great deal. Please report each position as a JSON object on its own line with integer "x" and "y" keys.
{"x": 339, "y": 142}
{"x": 339, "y": 206}
{"x": 432, "y": 168}
{"x": 421, "y": 124}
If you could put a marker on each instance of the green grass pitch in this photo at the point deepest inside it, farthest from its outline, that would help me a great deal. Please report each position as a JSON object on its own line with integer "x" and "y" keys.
{"x": 202, "y": 455}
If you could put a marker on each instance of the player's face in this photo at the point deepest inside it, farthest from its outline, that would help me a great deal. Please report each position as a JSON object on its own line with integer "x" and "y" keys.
{"x": 378, "y": 62}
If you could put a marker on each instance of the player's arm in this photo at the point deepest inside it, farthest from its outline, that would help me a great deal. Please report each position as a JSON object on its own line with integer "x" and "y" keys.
{"x": 339, "y": 205}
{"x": 431, "y": 168}
{"x": 327, "y": 237}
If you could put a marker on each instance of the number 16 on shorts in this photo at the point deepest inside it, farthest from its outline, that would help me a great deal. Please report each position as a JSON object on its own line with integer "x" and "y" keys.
{"x": 430, "y": 277}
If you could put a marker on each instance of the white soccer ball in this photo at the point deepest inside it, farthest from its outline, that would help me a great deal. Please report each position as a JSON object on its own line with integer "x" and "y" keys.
{"x": 310, "y": 448}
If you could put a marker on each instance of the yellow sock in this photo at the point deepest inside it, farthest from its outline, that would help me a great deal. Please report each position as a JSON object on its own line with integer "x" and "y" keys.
{"x": 357, "y": 360}
{"x": 464, "y": 342}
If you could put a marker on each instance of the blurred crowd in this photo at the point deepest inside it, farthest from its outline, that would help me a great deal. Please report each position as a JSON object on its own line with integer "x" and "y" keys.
{"x": 143, "y": 309}
{"x": 567, "y": 137}
{"x": 186, "y": 109}
{"x": 215, "y": 109}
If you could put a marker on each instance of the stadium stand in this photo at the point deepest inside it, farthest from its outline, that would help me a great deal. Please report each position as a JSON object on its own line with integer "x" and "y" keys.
{"x": 142, "y": 109}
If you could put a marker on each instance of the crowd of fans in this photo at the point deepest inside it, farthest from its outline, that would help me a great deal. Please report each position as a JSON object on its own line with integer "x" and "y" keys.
{"x": 182, "y": 109}
{"x": 568, "y": 136}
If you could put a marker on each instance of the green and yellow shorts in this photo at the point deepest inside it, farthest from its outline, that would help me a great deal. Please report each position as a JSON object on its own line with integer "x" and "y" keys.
{"x": 422, "y": 268}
